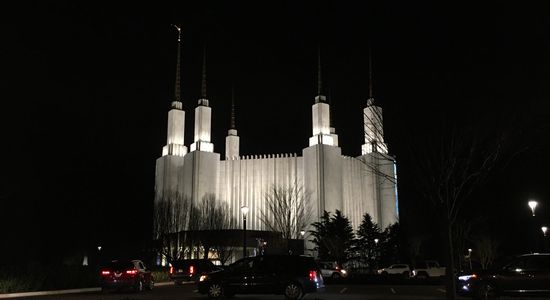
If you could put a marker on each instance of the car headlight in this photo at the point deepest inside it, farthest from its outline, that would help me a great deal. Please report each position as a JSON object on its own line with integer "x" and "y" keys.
{"x": 203, "y": 278}
{"x": 343, "y": 271}
{"x": 467, "y": 277}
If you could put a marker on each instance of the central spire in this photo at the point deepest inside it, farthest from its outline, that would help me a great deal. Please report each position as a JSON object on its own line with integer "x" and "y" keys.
{"x": 203, "y": 85}
{"x": 177, "y": 87}
{"x": 203, "y": 100}
{"x": 320, "y": 97}
{"x": 370, "y": 100}
{"x": 232, "y": 124}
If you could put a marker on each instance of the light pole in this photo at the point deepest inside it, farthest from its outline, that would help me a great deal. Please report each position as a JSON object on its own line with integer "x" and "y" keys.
{"x": 470, "y": 257}
{"x": 244, "y": 211}
{"x": 533, "y": 205}
{"x": 544, "y": 242}
{"x": 303, "y": 233}
{"x": 376, "y": 252}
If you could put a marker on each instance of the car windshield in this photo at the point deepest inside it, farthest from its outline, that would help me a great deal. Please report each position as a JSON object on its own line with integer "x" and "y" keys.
{"x": 120, "y": 265}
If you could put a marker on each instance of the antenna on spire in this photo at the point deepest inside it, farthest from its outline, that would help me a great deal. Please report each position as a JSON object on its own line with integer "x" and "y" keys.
{"x": 371, "y": 86}
{"x": 331, "y": 124}
{"x": 319, "y": 81}
{"x": 203, "y": 86}
{"x": 232, "y": 124}
{"x": 177, "y": 88}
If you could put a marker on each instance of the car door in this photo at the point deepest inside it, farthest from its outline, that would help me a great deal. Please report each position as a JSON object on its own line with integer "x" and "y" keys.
{"x": 539, "y": 269}
{"x": 263, "y": 277}
{"x": 238, "y": 276}
{"x": 145, "y": 273}
{"x": 516, "y": 276}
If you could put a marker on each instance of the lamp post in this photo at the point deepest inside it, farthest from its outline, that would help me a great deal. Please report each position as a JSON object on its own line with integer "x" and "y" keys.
{"x": 302, "y": 234}
{"x": 533, "y": 205}
{"x": 544, "y": 242}
{"x": 244, "y": 211}
{"x": 470, "y": 257}
{"x": 376, "y": 252}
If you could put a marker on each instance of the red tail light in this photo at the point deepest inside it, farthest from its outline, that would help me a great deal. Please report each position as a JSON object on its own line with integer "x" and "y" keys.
{"x": 131, "y": 272}
{"x": 105, "y": 272}
{"x": 171, "y": 270}
{"x": 313, "y": 276}
{"x": 191, "y": 269}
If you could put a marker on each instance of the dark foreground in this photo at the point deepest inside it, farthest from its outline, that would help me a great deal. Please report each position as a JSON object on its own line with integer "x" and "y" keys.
{"x": 333, "y": 291}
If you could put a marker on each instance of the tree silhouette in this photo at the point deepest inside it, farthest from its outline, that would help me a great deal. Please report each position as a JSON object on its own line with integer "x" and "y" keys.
{"x": 333, "y": 237}
{"x": 366, "y": 234}
{"x": 287, "y": 211}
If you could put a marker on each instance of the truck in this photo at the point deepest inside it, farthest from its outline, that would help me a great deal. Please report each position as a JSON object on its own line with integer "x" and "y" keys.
{"x": 428, "y": 269}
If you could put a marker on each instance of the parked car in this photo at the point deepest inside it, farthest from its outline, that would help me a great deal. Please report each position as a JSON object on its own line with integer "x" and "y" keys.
{"x": 290, "y": 275}
{"x": 526, "y": 275}
{"x": 190, "y": 269}
{"x": 331, "y": 269}
{"x": 427, "y": 269}
{"x": 396, "y": 269}
{"x": 119, "y": 274}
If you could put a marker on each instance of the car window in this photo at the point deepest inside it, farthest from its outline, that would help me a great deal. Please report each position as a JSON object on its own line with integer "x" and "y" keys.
{"x": 516, "y": 264}
{"x": 120, "y": 265}
{"x": 243, "y": 265}
{"x": 539, "y": 262}
{"x": 141, "y": 266}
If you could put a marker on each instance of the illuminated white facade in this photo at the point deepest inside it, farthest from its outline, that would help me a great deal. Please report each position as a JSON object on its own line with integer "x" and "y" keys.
{"x": 354, "y": 185}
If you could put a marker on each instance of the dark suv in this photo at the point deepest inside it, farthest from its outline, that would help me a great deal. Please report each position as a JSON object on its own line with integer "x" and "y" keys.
{"x": 290, "y": 275}
{"x": 190, "y": 269}
{"x": 525, "y": 275}
{"x": 120, "y": 274}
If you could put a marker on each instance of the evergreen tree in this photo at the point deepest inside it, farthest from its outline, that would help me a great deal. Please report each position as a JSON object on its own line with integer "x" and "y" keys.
{"x": 366, "y": 245}
{"x": 341, "y": 237}
{"x": 320, "y": 236}
{"x": 389, "y": 245}
{"x": 333, "y": 237}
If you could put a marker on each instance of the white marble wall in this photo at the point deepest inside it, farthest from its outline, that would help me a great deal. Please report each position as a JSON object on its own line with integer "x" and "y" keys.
{"x": 245, "y": 181}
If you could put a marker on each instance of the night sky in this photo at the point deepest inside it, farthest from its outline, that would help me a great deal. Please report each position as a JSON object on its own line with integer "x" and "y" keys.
{"x": 86, "y": 88}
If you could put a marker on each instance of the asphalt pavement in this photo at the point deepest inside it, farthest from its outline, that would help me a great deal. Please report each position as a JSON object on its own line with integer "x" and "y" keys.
{"x": 332, "y": 291}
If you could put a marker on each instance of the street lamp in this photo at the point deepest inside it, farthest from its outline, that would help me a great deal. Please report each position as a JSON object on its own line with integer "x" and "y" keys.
{"x": 302, "y": 233}
{"x": 470, "y": 257}
{"x": 532, "y": 204}
{"x": 244, "y": 211}
{"x": 544, "y": 230}
{"x": 376, "y": 253}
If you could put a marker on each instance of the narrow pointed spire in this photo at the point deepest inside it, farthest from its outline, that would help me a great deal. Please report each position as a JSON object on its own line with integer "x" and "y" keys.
{"x": 331, "y": 124}
{"x": 177, "y": 87}
{"x": 203, "y": 85}
{"x": 232, "y": 124}
{"x": 371, "y": 85}
{"x": 319, "y": 81}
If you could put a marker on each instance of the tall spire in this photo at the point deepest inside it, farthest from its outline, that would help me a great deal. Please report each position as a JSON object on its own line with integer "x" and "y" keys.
{"x": 232, "y": 124}
{"x": 371, "y": 85}
{"x": 319, "y": 81}
{"x": 177, "y": 88}
{"x": 203, "y": 85}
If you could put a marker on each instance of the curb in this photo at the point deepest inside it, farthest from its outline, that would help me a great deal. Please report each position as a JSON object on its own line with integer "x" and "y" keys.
{"x": 71, "y": 291}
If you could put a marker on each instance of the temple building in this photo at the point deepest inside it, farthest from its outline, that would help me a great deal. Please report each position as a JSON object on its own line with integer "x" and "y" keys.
{"x": 353, "y": 185}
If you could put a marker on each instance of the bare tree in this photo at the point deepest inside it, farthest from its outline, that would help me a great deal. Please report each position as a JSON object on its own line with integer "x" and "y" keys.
{"x": 208, "y": 221}
{"x": 486, "y": 249}
{"x": 461, "y": 235}
{"x": 450, "y": 172}
{"x": 170, "y": 218}
{"x": 287, "y": 210}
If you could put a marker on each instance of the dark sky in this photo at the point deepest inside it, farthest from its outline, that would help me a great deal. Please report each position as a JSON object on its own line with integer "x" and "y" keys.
{"x": 86, "y": 90}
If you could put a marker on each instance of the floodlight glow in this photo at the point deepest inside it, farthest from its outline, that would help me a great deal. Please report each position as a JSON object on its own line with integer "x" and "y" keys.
{"x": 533, "y": 204}
{"x": 244, "y": 210}
{"x": 544, "y": 230}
